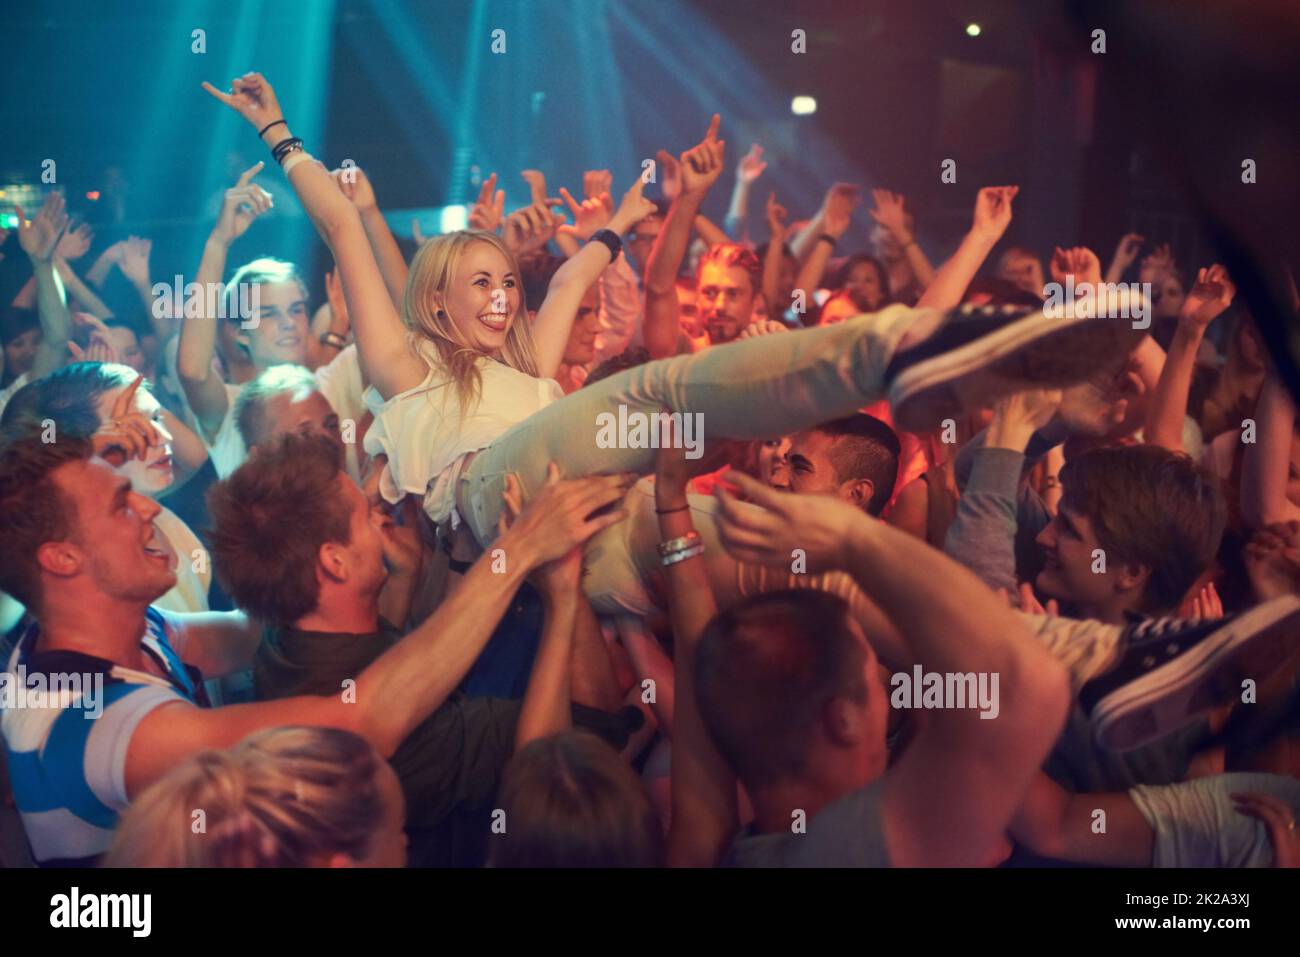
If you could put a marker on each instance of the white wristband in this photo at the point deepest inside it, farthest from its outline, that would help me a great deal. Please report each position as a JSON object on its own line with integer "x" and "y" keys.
{"x": 296, "y": 157}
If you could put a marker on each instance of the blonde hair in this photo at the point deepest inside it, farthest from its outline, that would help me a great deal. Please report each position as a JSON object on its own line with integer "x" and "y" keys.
{"x": 280, "y": 798}
{"x": 431, "y": 273}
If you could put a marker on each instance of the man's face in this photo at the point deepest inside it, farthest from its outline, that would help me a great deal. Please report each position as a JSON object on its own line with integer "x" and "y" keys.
{"x": 1068, "y": 544}
{"x": 806, "y": 468}
{"x": 725, "y": 299}
{"x": 642, "y": 241}
{"x": 282, "y": 323}
{"x": 863, "y": 286}
{"x": 688, "y": 313}
{"x": 155, "y": 472}
{"x": 115, "y": 541}
{"x": 580, "y": 350}
{"x": 771, "y": 456}
{"x": 305, "y": 413}
{"x": 20, "y": 352}
{"x": 365, "y": 552}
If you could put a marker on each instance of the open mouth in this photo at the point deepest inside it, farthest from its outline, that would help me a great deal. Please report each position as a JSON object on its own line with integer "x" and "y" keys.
{"x": 288, "y": 341}
{"x": 164, "y": 464}
{"x": 496, "y": 321}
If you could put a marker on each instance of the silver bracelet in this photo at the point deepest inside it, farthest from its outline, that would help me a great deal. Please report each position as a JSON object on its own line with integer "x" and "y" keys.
{"x": 677, "y": 544}
{"x": 681, "y": 556}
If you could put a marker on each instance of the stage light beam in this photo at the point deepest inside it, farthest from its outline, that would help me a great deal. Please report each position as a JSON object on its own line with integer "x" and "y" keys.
{"x": 803, "y": 106}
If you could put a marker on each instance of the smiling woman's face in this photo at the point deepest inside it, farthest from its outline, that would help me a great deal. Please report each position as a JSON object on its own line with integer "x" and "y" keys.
{"x": 482, "y": 298}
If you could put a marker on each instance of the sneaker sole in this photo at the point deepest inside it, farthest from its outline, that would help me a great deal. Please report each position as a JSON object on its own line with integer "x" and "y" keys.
{"x": 1203, "y": 678}
{"x": 1033, "y": 352}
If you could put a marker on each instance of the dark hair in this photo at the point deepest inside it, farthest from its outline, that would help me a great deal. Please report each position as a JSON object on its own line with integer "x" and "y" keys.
{"x": 1150, "y": 506}
{"x": 841, "y": 277}
{"x": 1001, "y": 292}
{"x": 33, "y": 510}
{"x": 571, "y": 800}
{"x": 68, "y": 396}
{"x": 735, "y": 256}
{"x": 16, "y": 321}
{"x": 629, "y": 358}
{"x": 864, "y": 447}
{"x": 764, "y": 672}
{"x": 536, "y": 279}
{"x": 270, "y": 518}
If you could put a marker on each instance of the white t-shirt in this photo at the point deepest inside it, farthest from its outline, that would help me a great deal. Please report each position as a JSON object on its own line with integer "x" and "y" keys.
{"x": 1196, "y": 824}
{"x": 339, "y": 381}
{"x": 425, "y": 433}
{"x": 8, "y": 391}
{"x": 190, "y": 593}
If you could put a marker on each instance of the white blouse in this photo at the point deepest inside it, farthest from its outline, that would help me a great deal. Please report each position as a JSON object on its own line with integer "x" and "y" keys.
{"x": 426, "y": 434}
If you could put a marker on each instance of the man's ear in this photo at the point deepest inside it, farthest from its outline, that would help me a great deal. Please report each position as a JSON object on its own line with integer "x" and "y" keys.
{"x": 859, "y": 491}
{"x": 843, "y": 719}
{"x": 1132, "y": 576}
{"x": 332, "y": 561}
{"x": 61, "y": 559}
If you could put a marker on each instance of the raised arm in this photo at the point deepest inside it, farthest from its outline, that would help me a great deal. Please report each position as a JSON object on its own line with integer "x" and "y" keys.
{"x": 39, "y": 238}
{"x": 776, "y": 217}
{"x": 700, "y": 168}
{"x": 355, "y": 185}
{"x": 381, "y": 337}
{"x": 704, "y": 814}
{"x": 842, "y": 199}
{"x": 414, "y": 677}
{"x": 949, "y": 798}
{"x": 572, "y": 280}
{"x": 1167, "y": 408}
{"x": 748, "y": 171}
{"x": 889, "y": 212}
{"x": 204, "y": 390}
{"x": 992, "y": 216}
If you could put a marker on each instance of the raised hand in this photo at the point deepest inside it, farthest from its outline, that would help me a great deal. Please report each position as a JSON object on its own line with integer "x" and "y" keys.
{"x": 560, "y": 516}
{"x": 1157, "y": 264}
{"x": 590, "y": 215}
{"x": 702, "y": 165}
{"x": 837, "y": 211}
{"x": 1212, "y": 294}
{"x": 135, "y": 260}
{"x": 1078, "y": 261}
{"x": 530, "y": 228}
{"x": 127, "y": 433}
{"x": 241, "y": 204}
{"x": 670, "y": 175}
{"x": 559, "y": 576}
{"x": 252, "y": 97}
{"x": 1126, "y": 253}
{"x": 770, "y": 533}
{"x": 889, "y": 212}
{"x": 751, "y": 165}
{"x": 776, "y": 219}
{"x": 597, "y": 183}
{"x": 633, "y": 208}
{"x": 993, "y": 211}
{"x": 489, "y": 209}
{"x": 1204, "y": 604}
{"x": 75, "y": 243}
{"x": 39, "y": 237}
{"x": 355, "y": 185}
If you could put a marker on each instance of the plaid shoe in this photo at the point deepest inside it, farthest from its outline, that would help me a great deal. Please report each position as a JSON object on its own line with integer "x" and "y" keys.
{"x": 1175, "y": 671}
{"x": 981, "y": 353}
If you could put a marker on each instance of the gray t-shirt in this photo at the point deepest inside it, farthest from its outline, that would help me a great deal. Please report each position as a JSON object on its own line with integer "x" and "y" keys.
{"x": 1197, "y": 825}
{"x": 848, "y": 833}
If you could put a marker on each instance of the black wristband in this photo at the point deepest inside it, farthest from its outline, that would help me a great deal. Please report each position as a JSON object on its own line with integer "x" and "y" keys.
{"x": 827, "y": 237}
{"x": 283, "y": 148}
{"x": 262, "y": 131}
{"x": 611, "y": 240}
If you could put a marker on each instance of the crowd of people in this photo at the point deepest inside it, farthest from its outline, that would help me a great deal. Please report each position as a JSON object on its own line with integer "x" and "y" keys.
{"x": 639, "y": 540}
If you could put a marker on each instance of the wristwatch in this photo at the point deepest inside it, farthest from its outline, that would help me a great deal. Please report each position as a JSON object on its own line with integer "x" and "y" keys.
{"x": 333, "y": 339}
